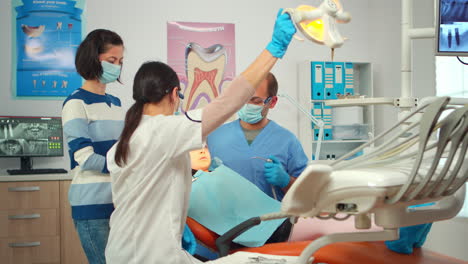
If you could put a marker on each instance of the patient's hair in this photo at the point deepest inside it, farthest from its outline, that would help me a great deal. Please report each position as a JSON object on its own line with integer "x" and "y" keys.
{"x": 153, "y": 81}
{"x": 272, "y": 84}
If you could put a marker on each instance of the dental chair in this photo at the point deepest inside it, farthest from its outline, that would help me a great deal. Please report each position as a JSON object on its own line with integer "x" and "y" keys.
{"x": 423, "y": 162}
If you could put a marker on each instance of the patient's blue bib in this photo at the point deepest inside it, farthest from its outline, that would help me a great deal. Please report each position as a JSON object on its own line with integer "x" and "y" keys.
{"x": 222, "y": 199}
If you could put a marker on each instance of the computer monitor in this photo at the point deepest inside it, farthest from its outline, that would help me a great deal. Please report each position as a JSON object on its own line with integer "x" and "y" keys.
{"x": 452, "y": 28}
{"x": 27, "y": 137}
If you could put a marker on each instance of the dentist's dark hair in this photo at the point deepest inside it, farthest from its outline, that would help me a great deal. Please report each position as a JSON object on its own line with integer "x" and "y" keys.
{"x": 272, "y": 84}
{"x": 153, "y": 81}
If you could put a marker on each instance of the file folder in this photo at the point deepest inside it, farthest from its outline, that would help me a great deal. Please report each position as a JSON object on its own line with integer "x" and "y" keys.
{"x": 318, "y": 78}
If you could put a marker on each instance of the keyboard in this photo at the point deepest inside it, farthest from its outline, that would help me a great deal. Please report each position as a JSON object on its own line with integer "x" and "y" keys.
{"x": 36, "y": 171}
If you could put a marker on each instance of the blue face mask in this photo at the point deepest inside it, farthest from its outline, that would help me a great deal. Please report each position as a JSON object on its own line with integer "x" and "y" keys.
{"x": 251, "y": 113}
{"x": 110, "y": 72}
{"x": 181, "y": 96}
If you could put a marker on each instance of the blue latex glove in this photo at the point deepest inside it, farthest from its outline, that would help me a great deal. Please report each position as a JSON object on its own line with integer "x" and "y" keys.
{"x": 275, "y": 173}
{"x": 282, "y": 34}
{"x": 188, "y": 240}
{"x": 410, "y": 237}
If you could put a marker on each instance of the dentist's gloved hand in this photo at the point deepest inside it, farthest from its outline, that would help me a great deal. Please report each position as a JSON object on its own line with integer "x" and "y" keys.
{"x": 282, "y": 34}
{"x": 275, "y": 173}
{"x": 188, "y": 240}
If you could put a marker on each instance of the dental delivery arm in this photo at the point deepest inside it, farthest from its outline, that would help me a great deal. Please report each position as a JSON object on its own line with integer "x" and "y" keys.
{"x": 237, "y": 94}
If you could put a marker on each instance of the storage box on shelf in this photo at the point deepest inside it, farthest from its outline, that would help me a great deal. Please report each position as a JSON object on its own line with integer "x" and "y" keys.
{"x": 320, "y": 82}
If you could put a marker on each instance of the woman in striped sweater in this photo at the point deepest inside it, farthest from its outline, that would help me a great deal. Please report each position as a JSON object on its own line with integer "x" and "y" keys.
{"x": 93, "y": 121}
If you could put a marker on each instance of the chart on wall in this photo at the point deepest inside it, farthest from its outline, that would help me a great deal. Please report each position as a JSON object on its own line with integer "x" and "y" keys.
{"x": 48, "y": 34}
{"x": 203, "y": 55}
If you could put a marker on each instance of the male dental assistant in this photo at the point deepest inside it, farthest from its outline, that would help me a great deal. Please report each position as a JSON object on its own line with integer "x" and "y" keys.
{"x": 239, "y": 144}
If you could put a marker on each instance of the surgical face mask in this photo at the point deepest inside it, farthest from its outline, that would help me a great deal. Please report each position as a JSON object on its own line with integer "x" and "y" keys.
{"x": 110, "y": 72}
{"x": 181, "y": 97}
{"x": 251, "y": 113}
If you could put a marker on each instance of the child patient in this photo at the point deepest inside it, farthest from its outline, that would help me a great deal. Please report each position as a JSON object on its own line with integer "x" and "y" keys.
{"x": 221, "y": 199}
{"x": 200, "y": 159}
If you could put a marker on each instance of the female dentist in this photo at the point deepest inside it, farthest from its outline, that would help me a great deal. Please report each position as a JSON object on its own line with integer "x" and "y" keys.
{"x": 150, "y": 165}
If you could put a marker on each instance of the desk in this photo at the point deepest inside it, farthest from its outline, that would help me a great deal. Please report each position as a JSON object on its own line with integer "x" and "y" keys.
{"x": 5, "y": 177}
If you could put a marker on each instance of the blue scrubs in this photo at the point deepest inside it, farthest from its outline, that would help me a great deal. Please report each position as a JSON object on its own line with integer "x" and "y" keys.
{"x": 228, "y": 143}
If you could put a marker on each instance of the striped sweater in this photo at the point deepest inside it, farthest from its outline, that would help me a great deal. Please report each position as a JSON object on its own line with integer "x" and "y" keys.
{"x": 92, "y": 123}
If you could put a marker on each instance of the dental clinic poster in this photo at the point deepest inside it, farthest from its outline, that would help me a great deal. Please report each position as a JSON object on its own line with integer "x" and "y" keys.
{"x": 203, "y": 55}
{"x": 47, "y": 35}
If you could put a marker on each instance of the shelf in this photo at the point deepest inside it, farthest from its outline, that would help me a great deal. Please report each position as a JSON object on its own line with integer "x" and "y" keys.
{"x": 360, "y": 101}
{"x": 363, "y": 90}
{"x": 343, "y": 141}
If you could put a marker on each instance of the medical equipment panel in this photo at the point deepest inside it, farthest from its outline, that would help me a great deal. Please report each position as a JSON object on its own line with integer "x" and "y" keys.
{"x": 451, "y": 28}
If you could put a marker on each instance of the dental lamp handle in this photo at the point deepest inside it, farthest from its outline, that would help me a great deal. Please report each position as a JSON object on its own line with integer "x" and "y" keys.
{"x": 343, "y": 17}
{"x": 298, "y": 16}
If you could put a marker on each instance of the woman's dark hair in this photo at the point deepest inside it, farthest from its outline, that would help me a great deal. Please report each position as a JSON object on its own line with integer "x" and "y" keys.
{"x": 152, "y": 82}
{"x": 87, "y": 56}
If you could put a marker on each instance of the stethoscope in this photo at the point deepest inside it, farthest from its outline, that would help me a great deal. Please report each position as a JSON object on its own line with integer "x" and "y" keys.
{"x": 181, "y": 96}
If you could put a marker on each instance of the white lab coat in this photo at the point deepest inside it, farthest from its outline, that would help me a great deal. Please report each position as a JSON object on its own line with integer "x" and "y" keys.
{"x": 151, "y": 192}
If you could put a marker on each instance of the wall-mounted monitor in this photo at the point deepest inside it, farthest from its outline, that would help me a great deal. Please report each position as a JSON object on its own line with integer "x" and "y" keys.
{"x": 452, "y": 28}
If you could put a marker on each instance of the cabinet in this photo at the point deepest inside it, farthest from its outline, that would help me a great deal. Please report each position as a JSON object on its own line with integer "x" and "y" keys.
{"x": 36, "y": 224}
{"x": 362, "y": 80}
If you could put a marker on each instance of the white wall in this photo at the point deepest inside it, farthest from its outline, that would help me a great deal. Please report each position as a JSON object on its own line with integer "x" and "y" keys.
{"x": 142, "y": 25}
{"x": 374, "y": 36}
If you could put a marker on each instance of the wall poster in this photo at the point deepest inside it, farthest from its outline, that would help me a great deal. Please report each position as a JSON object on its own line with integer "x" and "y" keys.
{"x": 203, "y": 55}
{"x": 46, "y": 35}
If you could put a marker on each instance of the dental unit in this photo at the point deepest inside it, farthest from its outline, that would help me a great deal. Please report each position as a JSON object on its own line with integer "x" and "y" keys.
{"x": 422, "y": 160}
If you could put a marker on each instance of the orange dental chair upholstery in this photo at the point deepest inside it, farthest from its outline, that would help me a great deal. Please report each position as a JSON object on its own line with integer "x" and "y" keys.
{"x": 337, "y": 253}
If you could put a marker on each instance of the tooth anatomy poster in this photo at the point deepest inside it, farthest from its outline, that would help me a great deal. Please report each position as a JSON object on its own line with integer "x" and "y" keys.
{"x": 203, "y": 55}
{"x": 47, "y": 35}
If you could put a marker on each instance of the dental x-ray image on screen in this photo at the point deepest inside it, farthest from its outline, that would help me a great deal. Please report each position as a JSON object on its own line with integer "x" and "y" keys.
{"x": 452, "y": 35}
{"x": 30, "y": 136}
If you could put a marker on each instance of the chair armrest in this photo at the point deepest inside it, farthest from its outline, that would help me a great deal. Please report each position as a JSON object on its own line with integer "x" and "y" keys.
{"x": 224, "y": 242}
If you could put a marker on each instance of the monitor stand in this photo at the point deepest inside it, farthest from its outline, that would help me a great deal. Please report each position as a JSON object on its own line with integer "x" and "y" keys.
{"x": 26, "y": 168}
{"x": 26, "y": 163}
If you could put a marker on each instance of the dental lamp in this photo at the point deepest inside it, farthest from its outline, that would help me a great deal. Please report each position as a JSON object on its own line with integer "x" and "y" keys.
{"x": 319, "y": 23}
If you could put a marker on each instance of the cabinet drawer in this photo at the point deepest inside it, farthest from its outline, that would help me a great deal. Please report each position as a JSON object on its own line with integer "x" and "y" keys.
{"x": 29, "y": 222}
{"x": 29, "y": 195}
{"x": 31, "y": 250}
